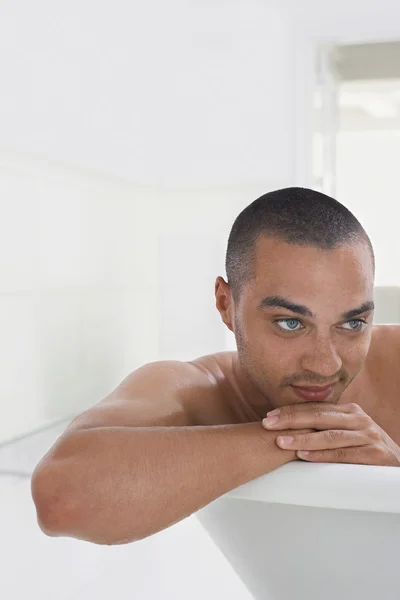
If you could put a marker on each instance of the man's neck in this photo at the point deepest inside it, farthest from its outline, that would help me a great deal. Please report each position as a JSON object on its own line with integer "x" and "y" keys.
{"x": 248, "y": 392}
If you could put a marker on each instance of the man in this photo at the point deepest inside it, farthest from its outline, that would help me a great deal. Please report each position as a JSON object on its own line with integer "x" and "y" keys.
{"x": 174, "y": 435}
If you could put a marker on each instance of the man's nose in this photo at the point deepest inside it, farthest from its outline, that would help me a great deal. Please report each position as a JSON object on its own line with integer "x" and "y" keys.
{"x": 322, "y": 358}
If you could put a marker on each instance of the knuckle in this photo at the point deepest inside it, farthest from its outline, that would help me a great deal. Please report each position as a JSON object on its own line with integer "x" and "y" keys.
{"x": 340, "y": 454}
{"x": 360, "y": 452}
{"x": 302, "y": 438}
{"x": 354, "y": 408}
{"x": 378, "y": 451}
{"x": 290, "y": 414}
{"x": 365, "y": 420}
{"x": 333, "y": 435}
{"x": 319, "y": 412}
{"x": 374, "y": 434}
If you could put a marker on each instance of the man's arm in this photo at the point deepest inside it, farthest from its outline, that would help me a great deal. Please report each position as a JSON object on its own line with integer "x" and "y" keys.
{"x": 134, "y": 464}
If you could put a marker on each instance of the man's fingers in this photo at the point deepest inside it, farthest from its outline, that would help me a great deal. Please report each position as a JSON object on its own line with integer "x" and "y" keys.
{"x": 320, "y": 419}
{"x": 324, "y": 440}
{"x": 312, "y": 406}
{"x": 357, "y": 456}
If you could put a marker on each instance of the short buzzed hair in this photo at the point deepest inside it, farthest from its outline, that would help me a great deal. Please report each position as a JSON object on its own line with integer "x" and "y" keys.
{"x": 298, "y": 216}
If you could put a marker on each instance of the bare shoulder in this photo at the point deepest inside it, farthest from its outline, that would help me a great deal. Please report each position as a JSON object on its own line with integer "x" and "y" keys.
{"x": 161, "y": 393}
{"x": 218, "y": 365}
{"x": 387, "y": 331}
{"x": 379, "y": 385}
{"x": 382, "y": 355}
{"x": 385, "y": 341}
{"x": 222, "y": 405}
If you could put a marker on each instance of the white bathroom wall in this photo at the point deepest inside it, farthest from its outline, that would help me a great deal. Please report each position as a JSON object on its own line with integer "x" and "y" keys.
{"x": 69, "y": 293}
{"x": 352, "y": 21}
{"x": 317, "y": 25}
{"x": 99, "y": 276}
{"x": 175, "y": 93}
{"x": 369, "y": 186}
{"x": 131, "y": 137}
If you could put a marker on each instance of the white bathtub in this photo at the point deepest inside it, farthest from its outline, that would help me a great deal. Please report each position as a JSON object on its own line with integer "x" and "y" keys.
{"x": 309, "y": 531}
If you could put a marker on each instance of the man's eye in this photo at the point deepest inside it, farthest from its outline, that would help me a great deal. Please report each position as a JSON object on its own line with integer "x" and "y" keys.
{"x": 359, "y": 322}
{"x": 291, "y": 323}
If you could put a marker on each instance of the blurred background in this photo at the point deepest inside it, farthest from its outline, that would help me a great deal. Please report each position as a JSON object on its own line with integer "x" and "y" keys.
{"x": 131, "y": 136}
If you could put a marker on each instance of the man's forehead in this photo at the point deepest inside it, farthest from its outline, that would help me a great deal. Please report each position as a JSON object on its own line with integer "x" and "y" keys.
{"x": 277, "y": 259}
{"x": 266, "y": 245}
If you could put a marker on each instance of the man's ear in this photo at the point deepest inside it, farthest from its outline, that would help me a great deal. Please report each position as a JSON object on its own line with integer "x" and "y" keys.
{"x": 224, "y": 301}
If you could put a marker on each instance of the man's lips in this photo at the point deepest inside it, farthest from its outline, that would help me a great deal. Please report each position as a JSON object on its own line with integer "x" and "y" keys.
{"x": 315, "y": 388}
{"x": 313, "y": 393}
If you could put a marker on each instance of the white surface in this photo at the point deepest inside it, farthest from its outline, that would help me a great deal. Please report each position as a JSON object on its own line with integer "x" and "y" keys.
{"x": 367, "y": 182}
{"x": 349, "y": 21}
{"x": 313, "y": 531}
{"x": 350, "y": 487}
{"x": 161, "y": 93}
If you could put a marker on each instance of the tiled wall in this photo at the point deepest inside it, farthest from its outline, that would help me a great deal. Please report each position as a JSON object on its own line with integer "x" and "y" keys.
{"x": 73, "y": 294}
{"x": 387, "y": 304}
{"x": 99, "y": 276}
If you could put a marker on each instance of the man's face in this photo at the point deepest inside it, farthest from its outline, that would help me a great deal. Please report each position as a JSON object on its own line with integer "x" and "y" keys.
{"x": 278, "y": 347}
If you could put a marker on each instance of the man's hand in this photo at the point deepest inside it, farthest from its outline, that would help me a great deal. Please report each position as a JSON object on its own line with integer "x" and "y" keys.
{"x": 345, "y": 434}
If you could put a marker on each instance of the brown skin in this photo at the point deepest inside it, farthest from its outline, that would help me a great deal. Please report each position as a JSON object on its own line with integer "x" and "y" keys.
{"x": 272, "y": 356}
{"x": 347, "y": 434}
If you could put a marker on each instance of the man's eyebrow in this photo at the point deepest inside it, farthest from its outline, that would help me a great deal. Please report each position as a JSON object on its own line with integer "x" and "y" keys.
{"x": 279, "y": 301}
{"x": 367, "y": 306}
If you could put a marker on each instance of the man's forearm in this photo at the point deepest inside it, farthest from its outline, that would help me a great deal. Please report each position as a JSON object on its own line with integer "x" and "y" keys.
{"x": 113, "y": 485}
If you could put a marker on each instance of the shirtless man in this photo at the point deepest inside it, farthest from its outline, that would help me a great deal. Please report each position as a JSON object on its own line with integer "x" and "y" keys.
{"x": 173, "y": 436}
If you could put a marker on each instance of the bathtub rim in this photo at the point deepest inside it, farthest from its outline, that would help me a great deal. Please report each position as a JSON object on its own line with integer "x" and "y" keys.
{"x": 326, "y": 485}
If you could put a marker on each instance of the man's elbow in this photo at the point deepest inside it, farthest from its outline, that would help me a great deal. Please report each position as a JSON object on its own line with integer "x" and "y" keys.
{"x": 59, "y": 513}
{"x": 53, "y": 507}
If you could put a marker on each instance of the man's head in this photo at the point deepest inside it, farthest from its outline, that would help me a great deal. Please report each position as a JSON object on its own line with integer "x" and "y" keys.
{"x": 298, "y": 247}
